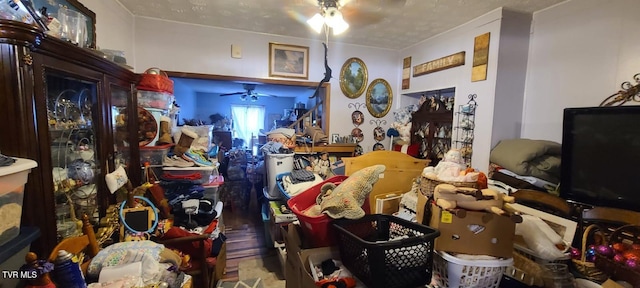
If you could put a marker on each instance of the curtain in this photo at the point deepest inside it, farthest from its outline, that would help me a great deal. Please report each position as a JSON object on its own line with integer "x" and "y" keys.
{"x": 248, "y": 120}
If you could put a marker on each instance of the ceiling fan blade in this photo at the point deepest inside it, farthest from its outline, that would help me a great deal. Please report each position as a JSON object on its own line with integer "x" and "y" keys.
{"x": 232, "y": 94}
{"x": 265, "y": 95}
{"x": 368, "y": 12}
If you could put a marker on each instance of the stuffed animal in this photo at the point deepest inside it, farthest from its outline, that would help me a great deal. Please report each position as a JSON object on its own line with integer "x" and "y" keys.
{"x": 449, "y": 197}
{"x": 346, "y": 199}
{"x": 452, "y": 168}
{"x": 404, "y": 131}
{"x": 402, "y": 123}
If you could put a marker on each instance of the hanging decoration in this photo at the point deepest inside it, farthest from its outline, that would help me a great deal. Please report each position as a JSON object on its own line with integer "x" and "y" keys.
{"x": 466, "y": 118}
{"x": 357, "y": 118}
{"x": 378, "y": 133}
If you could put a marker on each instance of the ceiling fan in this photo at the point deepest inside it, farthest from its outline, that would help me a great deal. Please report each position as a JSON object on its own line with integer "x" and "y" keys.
{"x": 249, "y": 93}
{"x": 357, "y": 13}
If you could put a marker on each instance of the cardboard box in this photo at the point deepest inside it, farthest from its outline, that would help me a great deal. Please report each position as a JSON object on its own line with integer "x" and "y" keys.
{"x": 297, "y": 271}
{"x": 478, "y": 233}
{"x": 421, "y": 206}
{"x": 306, "y": 277}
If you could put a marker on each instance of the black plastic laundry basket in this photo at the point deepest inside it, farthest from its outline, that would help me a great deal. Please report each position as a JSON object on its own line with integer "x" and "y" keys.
{"x": 385, "y": 251}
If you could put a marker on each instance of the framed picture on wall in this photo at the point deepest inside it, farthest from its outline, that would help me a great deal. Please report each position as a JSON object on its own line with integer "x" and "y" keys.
{"x": 353, "y": 78}
{"x": 288, "y": 61}
{"x": 379, "y": 98}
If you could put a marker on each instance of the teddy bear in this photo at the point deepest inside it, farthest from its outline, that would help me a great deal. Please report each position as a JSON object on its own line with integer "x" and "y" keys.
{"x": 450, "y": 197}
{"x": 402, "y": 123}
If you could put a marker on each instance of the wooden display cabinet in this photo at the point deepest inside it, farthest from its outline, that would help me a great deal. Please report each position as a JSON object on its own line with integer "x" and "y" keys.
{"x": 431, "y": 126}
{"x": 58, "y": 106}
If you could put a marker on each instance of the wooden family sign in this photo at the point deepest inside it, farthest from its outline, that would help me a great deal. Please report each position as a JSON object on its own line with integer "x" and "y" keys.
{"x": 439, "y": 64}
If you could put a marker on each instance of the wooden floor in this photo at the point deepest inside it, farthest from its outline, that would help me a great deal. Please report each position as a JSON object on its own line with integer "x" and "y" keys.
{"x": 245, "y": 236}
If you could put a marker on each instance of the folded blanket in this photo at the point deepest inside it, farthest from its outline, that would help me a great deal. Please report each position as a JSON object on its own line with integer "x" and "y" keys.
{"x": 527, "y": 157}
{"x": 298, "y": 176}
{"x": 294, "y": 189}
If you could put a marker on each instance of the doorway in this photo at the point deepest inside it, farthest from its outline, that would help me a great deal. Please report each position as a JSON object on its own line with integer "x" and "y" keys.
{"x": 209, "y": 94}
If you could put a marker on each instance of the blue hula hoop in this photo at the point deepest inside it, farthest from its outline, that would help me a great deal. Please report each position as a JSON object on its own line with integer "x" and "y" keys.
{"x": 155, "y": 213}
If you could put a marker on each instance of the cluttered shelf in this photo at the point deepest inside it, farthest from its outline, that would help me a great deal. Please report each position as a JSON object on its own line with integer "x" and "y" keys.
{"x": 342, "y": 148}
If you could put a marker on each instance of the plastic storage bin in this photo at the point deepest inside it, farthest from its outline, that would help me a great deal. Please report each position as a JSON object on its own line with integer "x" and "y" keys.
{"x": 280, "y": 186}
{"x": 154, "y": 154}
{"x": 266, "y": 221}
{"x": 277, "y": 164}
{"x": 12, "y": 181}
{"x": 317, "y": 229}
{"x": 450, "y": 271}
{"x": 157, "y": 100}
{"x": 205, "y": 173}
{"x": 385, "y": 251}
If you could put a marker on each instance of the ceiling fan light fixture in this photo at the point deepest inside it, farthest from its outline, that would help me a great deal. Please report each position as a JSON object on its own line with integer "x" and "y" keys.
{"x": 329, "y": 16}
{"x": 243, "y": 97}
{"x": 316, "y": 22}
{"x": 254, "y": 98}
{"x": 339, "y": 26}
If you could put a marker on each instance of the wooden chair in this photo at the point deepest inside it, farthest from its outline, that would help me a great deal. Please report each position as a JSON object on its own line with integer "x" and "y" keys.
{"x": 543, "y": 201}
{"x": 608, "y": 218}
{"x": 86, "y": 245}
{"x": 207, "y": 269}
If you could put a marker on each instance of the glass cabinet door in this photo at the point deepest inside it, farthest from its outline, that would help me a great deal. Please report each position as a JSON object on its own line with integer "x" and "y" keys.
{"x": 119, "y": 102}
{"x": 73, "y": 117}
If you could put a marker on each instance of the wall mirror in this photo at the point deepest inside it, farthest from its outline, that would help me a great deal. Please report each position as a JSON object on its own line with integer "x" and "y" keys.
{"x": 249, "y": 105}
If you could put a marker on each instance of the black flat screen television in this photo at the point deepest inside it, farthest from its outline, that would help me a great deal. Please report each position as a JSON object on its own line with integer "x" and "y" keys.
{"x": 601, "y": 156}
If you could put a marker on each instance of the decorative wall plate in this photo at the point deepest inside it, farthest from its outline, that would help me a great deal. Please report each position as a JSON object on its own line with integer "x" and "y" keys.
{"x": 358, "y": 151}
{"x": 357, "y": 134}
{"x": 378, "y": 134}
{"x": 378, "y": 146}
{"x": 353, "y": 78}
{"x": 357, "y": 117}
{"x": 379, "y": 98}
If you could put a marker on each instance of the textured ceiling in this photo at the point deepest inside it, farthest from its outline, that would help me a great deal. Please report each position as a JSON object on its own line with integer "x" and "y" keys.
{"x": 392, "y": 24}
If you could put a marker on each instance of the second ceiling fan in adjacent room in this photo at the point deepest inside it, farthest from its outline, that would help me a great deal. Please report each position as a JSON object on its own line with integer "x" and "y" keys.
{"x": 248, "y": 93}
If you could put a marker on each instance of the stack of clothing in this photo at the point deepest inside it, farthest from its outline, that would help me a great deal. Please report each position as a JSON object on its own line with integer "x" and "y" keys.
{"x": 526, "y": 164}
{"x": 298, "y": 181}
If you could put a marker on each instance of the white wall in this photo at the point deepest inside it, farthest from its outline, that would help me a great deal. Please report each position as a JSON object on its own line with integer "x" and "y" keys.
{"x": 580, "y": 53}
{"x": 454, "y": 41}
{"x": 114, "y": 27}
{"x": 190, "y": 48}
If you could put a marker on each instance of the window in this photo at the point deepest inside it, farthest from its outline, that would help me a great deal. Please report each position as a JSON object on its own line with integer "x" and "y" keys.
{"x": 248, "y": 120}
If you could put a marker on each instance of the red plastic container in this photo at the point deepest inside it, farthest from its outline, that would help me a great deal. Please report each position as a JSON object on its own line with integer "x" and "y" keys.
{"x": 317, "y": 230}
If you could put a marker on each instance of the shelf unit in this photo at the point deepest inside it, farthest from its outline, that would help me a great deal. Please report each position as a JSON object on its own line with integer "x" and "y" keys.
{"x": 432, "y": 125}
{"x": 466, "y": 119}
{"x": 59, "y": 109}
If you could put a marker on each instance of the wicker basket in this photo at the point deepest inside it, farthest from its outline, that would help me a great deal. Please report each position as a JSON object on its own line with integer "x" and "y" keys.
{"x": 428, "y": 184}
{"x": 628, "y": 234}
{"x": 526, "y": 270}
{"x": 586, "y": 268}
{"x": 154, "y": 79}
{"x": 289, "y": 142}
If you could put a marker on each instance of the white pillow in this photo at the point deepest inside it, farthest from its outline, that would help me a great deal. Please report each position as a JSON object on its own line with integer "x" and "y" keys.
{"x": 116, "y": 179}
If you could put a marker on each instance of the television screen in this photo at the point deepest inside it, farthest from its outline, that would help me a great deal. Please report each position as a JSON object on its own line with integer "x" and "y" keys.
{"x": 601, "y": 156}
